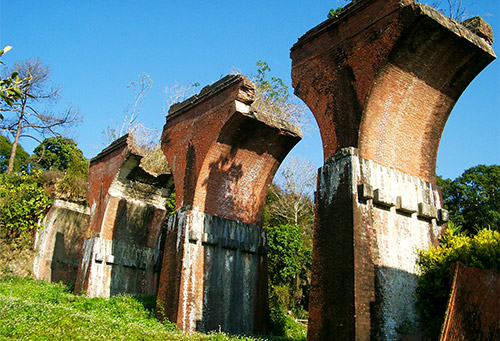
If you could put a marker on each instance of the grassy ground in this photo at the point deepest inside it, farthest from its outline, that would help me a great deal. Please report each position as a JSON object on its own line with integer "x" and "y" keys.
{"x": 36, "y": 310}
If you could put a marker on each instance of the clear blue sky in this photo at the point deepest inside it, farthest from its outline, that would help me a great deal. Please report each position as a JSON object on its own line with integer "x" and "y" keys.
{"x": 96, "y": 48}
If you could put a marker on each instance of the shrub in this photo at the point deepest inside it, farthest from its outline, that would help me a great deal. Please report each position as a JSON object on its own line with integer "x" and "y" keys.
{"x": 481, "y": 251}
{"x": 23, "y": 203}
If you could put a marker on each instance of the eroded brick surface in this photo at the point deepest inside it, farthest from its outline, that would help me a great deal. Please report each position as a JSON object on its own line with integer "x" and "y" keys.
{"x": 365, "y": 250}
{"x": 127, "y": 210}
{"x": 381, "y": 79}
{"x": 391, "y": 71}
{"x": 473, "y": 312}
{"x": 223, "y": 155}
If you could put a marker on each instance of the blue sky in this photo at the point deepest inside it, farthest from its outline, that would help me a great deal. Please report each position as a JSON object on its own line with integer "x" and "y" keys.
{"x": 96, "y": 48}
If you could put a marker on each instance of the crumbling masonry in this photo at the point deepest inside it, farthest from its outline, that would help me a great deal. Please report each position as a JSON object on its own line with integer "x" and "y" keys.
{"x": 381, "y": 79}
{"x": 127, "y": 210}
{"x": 223, "y": 157}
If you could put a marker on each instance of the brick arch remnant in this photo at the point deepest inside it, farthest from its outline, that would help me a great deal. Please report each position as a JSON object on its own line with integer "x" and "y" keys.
{"x": 122, "y": 252}
{"x": 223, "y": 156}
{"x": 381, "y": 79}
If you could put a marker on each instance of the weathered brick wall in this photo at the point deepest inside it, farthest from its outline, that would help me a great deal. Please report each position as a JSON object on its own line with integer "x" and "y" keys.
{"x": 473, "y": 312}
{"x": 381, "y": 79}
{"x": 371, "y": 221}
{"x": 391, "y": 72}
{"x": 122, "y": 254}
{"x": 217, "y": 282}
{"x": 222, "y": 153}
{"x": 223, "y": 157}
{"x": 59, "y": 244}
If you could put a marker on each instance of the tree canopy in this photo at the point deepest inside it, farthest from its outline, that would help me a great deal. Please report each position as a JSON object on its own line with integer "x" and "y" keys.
{"x": 473, "y": 199}
{"x": 58, "y": 153}
{"x": 65, "y": 166}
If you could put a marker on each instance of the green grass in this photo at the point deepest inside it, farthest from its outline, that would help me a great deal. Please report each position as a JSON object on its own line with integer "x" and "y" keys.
{"x": 36, "y": 310}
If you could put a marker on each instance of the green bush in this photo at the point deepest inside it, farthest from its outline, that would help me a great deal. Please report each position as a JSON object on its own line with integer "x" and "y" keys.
{"x": 23, "y": 203}
{"x": 289, "y": 264}
{"x": 481, "y": 251}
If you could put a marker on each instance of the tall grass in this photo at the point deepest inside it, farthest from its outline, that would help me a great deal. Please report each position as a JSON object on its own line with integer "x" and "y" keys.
{"x": 36, "y": 310}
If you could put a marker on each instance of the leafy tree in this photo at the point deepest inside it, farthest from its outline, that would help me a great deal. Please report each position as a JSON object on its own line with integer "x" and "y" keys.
{"x": 22, "y": 158}
{"x": 473, "y": 199}
{"x": 23, "y": 202}
{"x": 481, "y": 251}
{"x": 288, "y": 219}
{"x": 62, "y": 160}
{"x": 289, "y": 263}
{"x": 290, "y": 201}
{"x": 26, "y": 116}
{"x": 58, "y": 153}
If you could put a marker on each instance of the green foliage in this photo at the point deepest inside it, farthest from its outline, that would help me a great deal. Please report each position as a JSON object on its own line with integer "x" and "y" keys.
{"x": 333, "y": 12}
{"x": 21, "y": 160}
{"x": 12, "y": 88}
{"x": 481, "y": 251}
{"x": 282, "y": 325}
{"x": 61, "y": 156}
{"x": 473, "y": 199}
{"x": 23, "y": 202}
{"x": 285, "y": 253}
{"x": 272, "y": 97}
{"x": 170, "y": 206}
{"x": 289, "y": 264}
{"x": 31, "y": 309}
{"x": 58, "y": 153}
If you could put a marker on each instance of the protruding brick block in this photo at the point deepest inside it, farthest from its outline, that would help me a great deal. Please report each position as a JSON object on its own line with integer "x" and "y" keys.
{"x": 223, "y": 156}
{"x": 127, "y": 212}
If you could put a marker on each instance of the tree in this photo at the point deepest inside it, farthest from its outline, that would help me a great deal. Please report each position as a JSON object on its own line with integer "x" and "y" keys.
{"x": 289, "y": 264}
{"x": 23, "y": 203}
{"x": 57, "y": 153}
{"x": 64, "y": 164}
{"x": 288, "y": 220}
{"x": 27, "y": 118}
{"x": 455, "y": 9}
{"x": 22, "y": 158}
{"x": 289, "y": 201}
{"x": 473, "y": 199}
{"x": 144, "y": 137}
{"x": 272, "y": 96}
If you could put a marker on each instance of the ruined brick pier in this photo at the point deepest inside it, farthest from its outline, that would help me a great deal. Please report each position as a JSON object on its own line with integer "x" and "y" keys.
{"x": 127, "y": 210}
{"x": 223, "y": 157}
{"x": 381, "y": 79}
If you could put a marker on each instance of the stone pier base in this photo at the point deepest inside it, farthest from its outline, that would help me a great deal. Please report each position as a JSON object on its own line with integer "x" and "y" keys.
{"x": 371, "y": 221}
{"x": 113, "y": 267}
{"x": 214, "y": 274}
